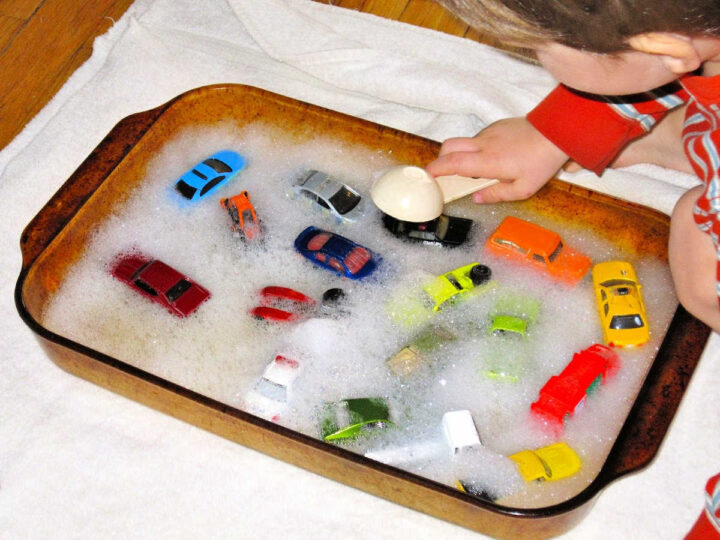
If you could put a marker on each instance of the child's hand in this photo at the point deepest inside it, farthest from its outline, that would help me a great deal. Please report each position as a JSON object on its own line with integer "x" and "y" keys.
{"x": 510, "y": 150}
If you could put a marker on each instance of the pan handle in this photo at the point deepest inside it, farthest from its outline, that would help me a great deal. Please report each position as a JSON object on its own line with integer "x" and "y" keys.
{"x": 84, "y": 181}
{"x": 659, "y": 398}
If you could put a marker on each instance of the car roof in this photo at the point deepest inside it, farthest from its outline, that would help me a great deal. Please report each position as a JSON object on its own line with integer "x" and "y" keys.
{"x": 282, "y": 370}
{"x": 321, "y": 183}
{"x": 527, "y": 235}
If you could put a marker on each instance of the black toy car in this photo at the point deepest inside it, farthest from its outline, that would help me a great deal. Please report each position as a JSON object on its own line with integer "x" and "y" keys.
{"x": 445, "y": 230}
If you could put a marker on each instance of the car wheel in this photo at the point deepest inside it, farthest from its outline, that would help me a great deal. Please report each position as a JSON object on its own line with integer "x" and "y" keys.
{"x": 480, "y": 274}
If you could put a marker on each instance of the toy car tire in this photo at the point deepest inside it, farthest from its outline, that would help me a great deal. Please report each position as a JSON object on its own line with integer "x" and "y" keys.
{"x": 480, "y": 274}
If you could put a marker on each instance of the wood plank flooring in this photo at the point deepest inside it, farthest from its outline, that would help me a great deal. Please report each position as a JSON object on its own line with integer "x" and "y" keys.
{"x": 42, "y": 42}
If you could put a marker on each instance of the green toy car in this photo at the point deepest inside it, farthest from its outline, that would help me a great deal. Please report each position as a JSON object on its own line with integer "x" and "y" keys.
{"x": 350, "y": 418}
{"x": 513, "y": 313}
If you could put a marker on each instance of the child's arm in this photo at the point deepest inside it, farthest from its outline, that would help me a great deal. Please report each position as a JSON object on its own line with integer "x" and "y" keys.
{"x": 693, "y": 262}
{"x": 526, "y": 152}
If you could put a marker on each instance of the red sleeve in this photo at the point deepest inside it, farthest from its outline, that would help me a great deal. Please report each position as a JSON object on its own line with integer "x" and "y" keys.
{"x": 589, "y": 129}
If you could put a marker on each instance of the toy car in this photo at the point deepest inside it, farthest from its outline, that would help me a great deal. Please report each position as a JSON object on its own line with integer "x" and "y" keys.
{"x": 412, "y": 356}
{"x": 272, "y": 392}
{"x": 350, "y": 418}
{"x": 563, "y": 394}
{"x": 553, "y": 462}
{"x": 512, "y": 314}
{"x": 460, "y": 431}
{"x": 159, "y": 282}
{"x": 336, "y": 253}
{"x": 414, "y": 307}
{"x": 282, "y": 304}
{"x": 620, "y": 304}
{"x": 208, "y": 175}
{"x": 243, "y": 216}
{"x": 330, "y": 195}
{"x": 445, "y": 230}
{"x": 543, "y": 249}
{"x": 449, "y": 287}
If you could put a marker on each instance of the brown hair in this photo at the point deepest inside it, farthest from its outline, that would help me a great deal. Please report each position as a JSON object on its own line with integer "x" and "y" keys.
{"x": 601, "y": 26}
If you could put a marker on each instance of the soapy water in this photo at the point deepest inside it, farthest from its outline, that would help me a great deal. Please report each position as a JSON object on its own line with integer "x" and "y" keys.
{"x": 221, "y": 352}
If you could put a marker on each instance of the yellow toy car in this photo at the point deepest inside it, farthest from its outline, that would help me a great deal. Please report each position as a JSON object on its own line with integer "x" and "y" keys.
{"x": 620, "y": 304}
{"x": 553, "y": 462}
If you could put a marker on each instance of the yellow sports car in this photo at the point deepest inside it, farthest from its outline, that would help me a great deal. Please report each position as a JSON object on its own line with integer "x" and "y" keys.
{"x": 620, "y": 304}
{"x": 550, "y": 463}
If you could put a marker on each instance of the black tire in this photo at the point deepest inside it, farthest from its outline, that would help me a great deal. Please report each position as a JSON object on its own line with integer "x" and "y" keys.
{"x": 480, "y": 274}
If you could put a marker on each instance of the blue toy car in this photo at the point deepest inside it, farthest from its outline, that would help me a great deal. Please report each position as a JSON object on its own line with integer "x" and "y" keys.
{"x": 209, "y": 175}
{"x": 336, "y": 253}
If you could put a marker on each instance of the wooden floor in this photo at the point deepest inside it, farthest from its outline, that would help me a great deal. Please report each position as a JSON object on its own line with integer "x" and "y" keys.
{"x": 43, "y": 41}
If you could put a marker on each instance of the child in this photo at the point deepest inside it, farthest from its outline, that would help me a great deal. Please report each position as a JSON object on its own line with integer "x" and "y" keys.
{"x": 662, "y": 57}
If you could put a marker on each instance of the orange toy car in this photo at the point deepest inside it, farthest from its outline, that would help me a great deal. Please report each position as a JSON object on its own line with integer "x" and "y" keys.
{"x": 539, "y": 247}
{"x": 242, "y": 214}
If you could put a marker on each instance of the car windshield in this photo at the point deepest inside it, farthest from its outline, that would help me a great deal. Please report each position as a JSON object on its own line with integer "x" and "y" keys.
{"x": 344, "y": 200}
{"x": 211, "y": 184}
{"x": 145, "y": 287}
{"x": 556, "y": 252}
{"x": 455, "y": 283}
{"x": 617, "y": 283}
{"x": 271, "y": 390}
{"x": 356, "y": 259}
{"x": 626, "y": 322}
{"x": 185, "y": 189}
{"x": 176, "y": 291}
{"x": 318, "y": 241}
{"x": 217, "y": 165}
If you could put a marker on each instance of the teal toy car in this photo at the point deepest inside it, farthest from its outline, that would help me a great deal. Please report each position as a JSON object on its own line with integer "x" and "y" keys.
{"x": 209, "y": 175}
{"x": 351, "y": 418}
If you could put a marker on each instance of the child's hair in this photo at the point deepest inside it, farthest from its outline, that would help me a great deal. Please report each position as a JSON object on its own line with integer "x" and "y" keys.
{"x": 601, "y": 26}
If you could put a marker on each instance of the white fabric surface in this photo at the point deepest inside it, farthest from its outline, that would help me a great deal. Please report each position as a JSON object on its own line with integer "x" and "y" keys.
{"x": 79, "y": 461}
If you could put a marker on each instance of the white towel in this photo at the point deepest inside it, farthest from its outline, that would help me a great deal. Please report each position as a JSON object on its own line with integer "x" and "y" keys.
{"x": 79, "y": 461}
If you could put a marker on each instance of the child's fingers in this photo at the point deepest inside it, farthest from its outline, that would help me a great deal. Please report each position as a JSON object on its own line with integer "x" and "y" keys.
{"x": 510, "y": 190}
{"x": 470, "y": 163}
{"x": 459, "y": 144}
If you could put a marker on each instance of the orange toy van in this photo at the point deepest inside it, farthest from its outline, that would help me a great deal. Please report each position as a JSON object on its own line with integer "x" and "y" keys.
{"x": 539, "y": 247}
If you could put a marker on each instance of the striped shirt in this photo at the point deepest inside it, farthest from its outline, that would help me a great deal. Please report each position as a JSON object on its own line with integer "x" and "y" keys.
{"x": 592, "y": 130}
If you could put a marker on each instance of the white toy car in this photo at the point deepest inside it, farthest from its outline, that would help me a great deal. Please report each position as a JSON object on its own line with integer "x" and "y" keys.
{"x": 271, "y": 394}
{"x": 460, "y": 431}
{"x": 329, "y": 194}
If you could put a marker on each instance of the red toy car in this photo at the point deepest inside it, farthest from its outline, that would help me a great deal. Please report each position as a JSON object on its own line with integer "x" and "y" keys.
{"x": 160, "y": 283}
{"x": 563, "y": 394}
{"x": 282, "y": 304}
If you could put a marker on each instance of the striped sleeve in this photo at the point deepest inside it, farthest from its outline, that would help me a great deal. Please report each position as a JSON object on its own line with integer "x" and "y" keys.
{"x": 593, "y": 129}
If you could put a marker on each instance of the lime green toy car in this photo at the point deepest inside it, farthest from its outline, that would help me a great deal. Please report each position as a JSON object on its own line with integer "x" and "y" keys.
{"x": 513, "y": 314}
{"x": 553, "y": 462}
{"x": 441, "y": 291}
{"x": 350, "y": 418}
{"x": 447, "y": 288}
